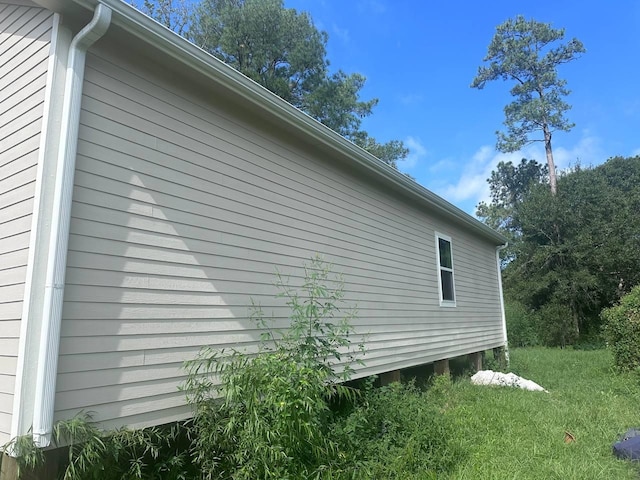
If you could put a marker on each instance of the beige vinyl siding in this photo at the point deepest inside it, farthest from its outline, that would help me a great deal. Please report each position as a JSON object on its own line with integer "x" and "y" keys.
{"x": 25, "y": 33}
{"x": 183, "y": 208}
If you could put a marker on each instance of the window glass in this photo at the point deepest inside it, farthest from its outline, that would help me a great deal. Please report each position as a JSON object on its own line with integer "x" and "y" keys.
{"x": 447, "y": 285}
{"x": 445, "y": 253}
{"x": 445, "y": 271}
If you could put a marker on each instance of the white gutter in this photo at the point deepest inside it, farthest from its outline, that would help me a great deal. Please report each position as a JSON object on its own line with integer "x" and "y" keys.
{"x": 59, "y": 236}
{"x": 504, "y": 317}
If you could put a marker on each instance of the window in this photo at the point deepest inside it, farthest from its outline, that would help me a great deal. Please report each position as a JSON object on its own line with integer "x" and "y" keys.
{"x": 446, "y": 284}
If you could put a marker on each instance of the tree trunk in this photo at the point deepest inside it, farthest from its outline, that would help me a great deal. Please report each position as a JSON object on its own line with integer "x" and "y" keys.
{"x": 550, "y": 163}
{"x": 576, "y": 323}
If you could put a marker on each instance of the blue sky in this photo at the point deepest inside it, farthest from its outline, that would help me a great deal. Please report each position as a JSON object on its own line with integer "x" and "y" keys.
{"x": 420, "y": 57}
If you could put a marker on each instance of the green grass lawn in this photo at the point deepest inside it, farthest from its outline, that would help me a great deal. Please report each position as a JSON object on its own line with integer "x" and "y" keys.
{"x": 508, "y": 433}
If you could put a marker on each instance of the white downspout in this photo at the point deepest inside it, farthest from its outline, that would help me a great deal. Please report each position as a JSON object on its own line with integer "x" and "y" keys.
{"x": 61, "y": 217}
{"x": 504, "y": 317}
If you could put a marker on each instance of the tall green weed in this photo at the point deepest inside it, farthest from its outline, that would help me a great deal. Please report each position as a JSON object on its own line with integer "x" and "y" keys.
{"x": 160, "y": 452}
{"x": 267, "y": 415}
{"x": 399, "y": 431}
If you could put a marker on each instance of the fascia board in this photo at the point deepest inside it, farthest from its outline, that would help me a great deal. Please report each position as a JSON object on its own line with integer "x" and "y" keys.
{"x": 148, "y": 30}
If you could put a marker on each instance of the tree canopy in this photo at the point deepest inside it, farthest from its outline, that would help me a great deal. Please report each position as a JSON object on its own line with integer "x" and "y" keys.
{"x": 281, "y": 49}
{"x": 173, "y": 14}
{"x": 528, "y": 52}
{"x": 277, "y": 47}
{"x": 509, "y": 184}
{"x": 572, "y": 254}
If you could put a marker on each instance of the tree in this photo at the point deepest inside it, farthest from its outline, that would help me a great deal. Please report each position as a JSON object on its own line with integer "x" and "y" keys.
{"x": 390, "y": 152}
{"x": 173, "y": 14}
{"x": 274, "y": 46}
{"x": 281, "y": 49}
{"x": 527, "y": 52}
{"x": 579, "y": 251}
{"x": 509, "y": 185}
{"x": 334, "y": 102}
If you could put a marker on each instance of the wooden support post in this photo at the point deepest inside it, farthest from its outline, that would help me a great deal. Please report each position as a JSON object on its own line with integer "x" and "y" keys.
{"x": 48, "y": 471}
{"x": 441, "y": 367}
{"x": 476, "y": 361}
{"x": 389, "y": 377}
{"x": 9, "y": 468}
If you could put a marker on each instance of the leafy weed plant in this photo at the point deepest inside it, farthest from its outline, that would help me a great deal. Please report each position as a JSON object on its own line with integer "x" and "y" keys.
{"x": 27, "y": 454}
{"x": 399, "y": 431}
{"x": 267, "y": 415}
{"x": 150, "y": 453}
{"x": 160, "y": 452}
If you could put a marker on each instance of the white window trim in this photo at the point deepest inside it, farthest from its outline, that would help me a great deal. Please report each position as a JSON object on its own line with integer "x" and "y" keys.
{"x": 445, "y": 303}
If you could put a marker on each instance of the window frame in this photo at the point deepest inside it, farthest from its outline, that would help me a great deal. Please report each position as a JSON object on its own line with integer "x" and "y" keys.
{"x": 440, "y": 268}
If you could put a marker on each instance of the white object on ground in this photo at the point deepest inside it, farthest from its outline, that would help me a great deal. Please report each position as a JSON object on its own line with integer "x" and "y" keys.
{"x": 489, "y": 377}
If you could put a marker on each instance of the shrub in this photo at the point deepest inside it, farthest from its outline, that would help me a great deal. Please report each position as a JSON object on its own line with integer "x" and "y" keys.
{"x": 268, "y": 416}
{"x": 551, "y": 325}
{"x": 522, "y": 328}
{"x": 622, "y": 330}
{"x": 398, "y": 432}
{"x": 555, "y": 325}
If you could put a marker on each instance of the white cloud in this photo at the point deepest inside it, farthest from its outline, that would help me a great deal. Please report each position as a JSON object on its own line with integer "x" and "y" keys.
{"x": 586, "y": 152}
{"x": 471, "y": 185}
{"x": 417, "y": 152}
{"x": 636, "y": 152}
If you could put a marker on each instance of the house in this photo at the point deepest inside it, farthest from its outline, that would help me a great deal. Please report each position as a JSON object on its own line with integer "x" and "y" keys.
{"x": 148, "y": 191}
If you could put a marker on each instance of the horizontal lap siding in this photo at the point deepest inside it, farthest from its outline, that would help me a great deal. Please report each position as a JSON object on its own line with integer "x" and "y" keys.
{"x": 181, "y": 214}
{"x": 25, "y": 33}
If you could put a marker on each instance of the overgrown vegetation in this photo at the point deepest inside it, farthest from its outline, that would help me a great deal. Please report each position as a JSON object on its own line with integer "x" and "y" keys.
{"x": 450, "y": 430}
{"x": 269, "y": 415}
{"x": 283, "y": 412}
{"x": 93, "y": 454}
{"x": 622, "y": 331}
{"x": 155, "y": 452}
{"x": 399, "y": 431}
{"x": 28, "y": 456}
{"x": 570, "y": 255}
